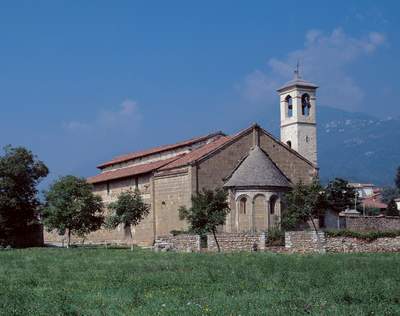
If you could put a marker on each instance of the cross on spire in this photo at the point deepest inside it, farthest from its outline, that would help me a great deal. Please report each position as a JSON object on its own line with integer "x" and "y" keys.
{"x": 297, "y": 70}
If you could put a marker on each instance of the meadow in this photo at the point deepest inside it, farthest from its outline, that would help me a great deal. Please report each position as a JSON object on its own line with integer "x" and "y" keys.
{"x": 121, "y": 282}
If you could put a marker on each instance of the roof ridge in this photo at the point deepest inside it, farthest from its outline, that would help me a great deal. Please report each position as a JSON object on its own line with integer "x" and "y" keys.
{"x": 157, "y": 149}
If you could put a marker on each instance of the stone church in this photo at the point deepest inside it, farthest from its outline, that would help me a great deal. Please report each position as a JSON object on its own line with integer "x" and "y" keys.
{"x": 255, "y": 167}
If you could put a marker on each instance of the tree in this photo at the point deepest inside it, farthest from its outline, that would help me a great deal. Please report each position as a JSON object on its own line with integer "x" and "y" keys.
{"x": 389, "y": 193}
{"x": 391, "y": 209}
{"x": 208, "y": 211}
{"x": 72, "y": 208}
{"x": 129, "y": 209}
{"x": 305, "y": 202}
{"x": 20, "y": 173}
{"x": 340, "y": 195}
{"x": 397, "y": 178}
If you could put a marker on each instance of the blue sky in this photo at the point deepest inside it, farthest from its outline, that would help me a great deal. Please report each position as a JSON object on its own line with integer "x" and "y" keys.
{"x": 83, "y": 81}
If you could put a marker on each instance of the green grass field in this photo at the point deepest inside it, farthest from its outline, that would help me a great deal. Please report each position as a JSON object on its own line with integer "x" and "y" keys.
{"x": 121, "y": 282}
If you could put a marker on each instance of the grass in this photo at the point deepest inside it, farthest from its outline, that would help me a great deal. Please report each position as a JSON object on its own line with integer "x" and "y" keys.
{"x": 121, "y": 282}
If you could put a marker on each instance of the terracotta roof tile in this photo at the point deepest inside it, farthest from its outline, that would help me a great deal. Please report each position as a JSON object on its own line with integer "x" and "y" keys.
{"x": 130, "y": 171}
{"x": 197, "y": 153}
{"x": 155, "y": 150}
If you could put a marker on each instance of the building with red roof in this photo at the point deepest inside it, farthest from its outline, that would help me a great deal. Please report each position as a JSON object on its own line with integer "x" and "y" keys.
{"x": 255, "y": 167}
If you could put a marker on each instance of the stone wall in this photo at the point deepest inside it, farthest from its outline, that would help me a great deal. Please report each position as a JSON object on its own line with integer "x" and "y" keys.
{"x": 237, "y": 242}
{"x": 186, "y": 243}
{"x": 171, "y": 191}
{"x": 305, "y": 241}
{"x": 368, "y": 223}
{"x": 347, "y": 245}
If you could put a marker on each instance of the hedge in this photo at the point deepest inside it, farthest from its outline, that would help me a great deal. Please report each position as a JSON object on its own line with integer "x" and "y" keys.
{"x": 368, "y": 235}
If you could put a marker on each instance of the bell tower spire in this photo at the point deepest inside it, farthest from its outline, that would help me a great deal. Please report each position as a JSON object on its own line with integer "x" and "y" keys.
{"x": 298, "y": 116}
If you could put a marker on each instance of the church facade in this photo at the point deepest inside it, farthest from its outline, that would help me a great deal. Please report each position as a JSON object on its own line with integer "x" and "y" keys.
{"x": 254, "y": 166}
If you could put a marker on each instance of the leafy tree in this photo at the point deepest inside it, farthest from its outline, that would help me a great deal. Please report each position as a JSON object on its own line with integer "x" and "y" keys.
{"x": 389, "y": 193}
{"x": 129, "y": 209}
{"x": 20, "y": 173}
{"x": 72, "y": 208}
{"x": 397, "y": 178}
{"x": 208, "y": 211}
{"x": 391, "y": 209}
{"x": 305, "y": 202}
{"x": 340, "y": 195}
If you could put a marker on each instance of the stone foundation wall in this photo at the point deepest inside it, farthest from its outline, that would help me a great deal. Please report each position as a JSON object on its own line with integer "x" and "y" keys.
{"x": 305, "y": 241}
{"x": 182, "y": 243}
{"x": 237, "y": 242}
{"x": 367, "y": 223}
{"x": 348, "y": 245}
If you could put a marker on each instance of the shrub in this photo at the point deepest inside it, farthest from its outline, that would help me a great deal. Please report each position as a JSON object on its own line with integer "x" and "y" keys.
{"x": 368, "y": 235}
{"x": 275, "y": 237}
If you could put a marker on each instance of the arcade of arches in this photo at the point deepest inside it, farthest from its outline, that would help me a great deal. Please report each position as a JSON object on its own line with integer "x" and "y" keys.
{"x": 256, "y": 211}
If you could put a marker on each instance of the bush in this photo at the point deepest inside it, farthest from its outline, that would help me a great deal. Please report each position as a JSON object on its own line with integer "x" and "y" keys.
{"x": 369, "y": 236}
{"x": 275, "y": 237}
{"x": 176, "y": 232}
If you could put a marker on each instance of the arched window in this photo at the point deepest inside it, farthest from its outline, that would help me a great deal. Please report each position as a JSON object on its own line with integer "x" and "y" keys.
{"x": 289, "y": 105}
{"x": 305, "y": 104}
{"x": 242, "y": 205}
{"x": 272, "y": 204}
{"x": 289, "y": 143}
{"x": 307, "y": 139}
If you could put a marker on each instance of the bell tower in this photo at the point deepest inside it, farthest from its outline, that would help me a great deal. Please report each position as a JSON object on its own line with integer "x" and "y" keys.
{"x": 298, "y": 116}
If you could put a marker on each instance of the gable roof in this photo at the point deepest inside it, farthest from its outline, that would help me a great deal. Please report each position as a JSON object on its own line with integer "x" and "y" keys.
{"x": 155, "y": 150}
{"x": 257, "y": 170}
{"x": 197, "y": 153}
{"x": 130, "y": 171}
{"x": 217, "y": 142}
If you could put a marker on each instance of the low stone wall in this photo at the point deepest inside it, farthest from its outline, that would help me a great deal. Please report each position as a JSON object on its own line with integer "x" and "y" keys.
{"x": 368, "y": 223}
{"x": 348, "y": 245}
{"x": 305, "y": 241}
{"x": 237, "y": 242}
{"x": 182, "y": 243}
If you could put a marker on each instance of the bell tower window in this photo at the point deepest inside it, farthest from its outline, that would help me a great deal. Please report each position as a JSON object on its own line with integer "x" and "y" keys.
{"x": 289, "y": 104}
{"x": 289, "y": 143}
{"x": 305, "y": 104}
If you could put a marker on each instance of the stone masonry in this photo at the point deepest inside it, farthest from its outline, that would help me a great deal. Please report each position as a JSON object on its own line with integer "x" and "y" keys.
{"x": 181, "y": 243}
{"x": 237, "y": 242}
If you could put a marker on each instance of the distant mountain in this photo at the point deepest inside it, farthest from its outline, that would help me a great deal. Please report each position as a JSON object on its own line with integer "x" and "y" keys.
{"x": 357, "y": 146}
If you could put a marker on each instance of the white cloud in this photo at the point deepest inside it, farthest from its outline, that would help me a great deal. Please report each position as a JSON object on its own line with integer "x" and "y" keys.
{"x": 324, "y": 60}
{"x": 126, "y": 116}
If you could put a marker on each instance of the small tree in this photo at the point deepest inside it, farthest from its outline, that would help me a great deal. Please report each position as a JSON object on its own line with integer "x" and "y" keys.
{"x": 389, "y": 193}
{"x": 208, "y": 211}
{"x": 129, "y": 209}
{"x": 339, "y": 195}
{"x": 72, "y": 208}
{"x": 20, "y": 173}
{"x": 303, "y": 203}
{"x": 391, "y": 209}
{"x": 397, "y": 179}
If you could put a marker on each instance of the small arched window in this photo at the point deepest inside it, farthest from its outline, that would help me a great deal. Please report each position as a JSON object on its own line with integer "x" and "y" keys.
{"x": 307, "y": 139}
{"x": 289, "y": 104}
{"x": 305, "y": 104}
{"x": 272, "y": 204}
{"x": 289, "y": 143}
{"x": 242, "y": 205}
